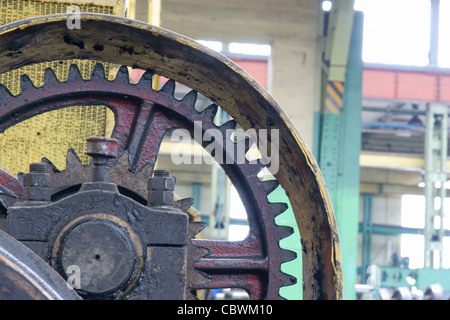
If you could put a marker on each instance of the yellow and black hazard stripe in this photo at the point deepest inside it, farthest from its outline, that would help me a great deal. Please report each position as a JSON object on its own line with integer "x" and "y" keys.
{"x": 333, "y": 96}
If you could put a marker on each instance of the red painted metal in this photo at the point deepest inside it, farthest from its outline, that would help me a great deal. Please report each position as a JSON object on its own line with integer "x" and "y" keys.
{"x": 406, "y": 84}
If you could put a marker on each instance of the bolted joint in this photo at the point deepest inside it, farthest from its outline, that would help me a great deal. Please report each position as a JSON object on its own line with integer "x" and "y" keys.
{"x": 36, "y": 183}
{"x": 160, "y": 188}
{"x": 32, "y": 179}
{"x": 160, "y": 183}
{"x": 160, "y": 198}
{"x": 101, "y": 149}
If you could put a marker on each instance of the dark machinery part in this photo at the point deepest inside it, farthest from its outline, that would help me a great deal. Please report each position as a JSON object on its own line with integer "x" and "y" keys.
{"x": 100, "y": 199}
{"x": 24, "y": 276}
{"x": 117, "y": 256}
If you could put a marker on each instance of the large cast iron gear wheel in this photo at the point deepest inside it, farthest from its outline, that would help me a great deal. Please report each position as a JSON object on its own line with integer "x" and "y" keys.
{"x": 144, "y": 115}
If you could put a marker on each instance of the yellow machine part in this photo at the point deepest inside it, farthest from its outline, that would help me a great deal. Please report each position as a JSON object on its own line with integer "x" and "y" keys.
{"x": 52, "y": 134}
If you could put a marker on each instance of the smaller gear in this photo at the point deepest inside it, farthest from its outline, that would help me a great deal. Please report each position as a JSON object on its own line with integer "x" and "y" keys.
{"x": 121, "y": 248}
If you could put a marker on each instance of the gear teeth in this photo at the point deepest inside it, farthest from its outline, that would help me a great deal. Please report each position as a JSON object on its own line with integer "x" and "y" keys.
{"x": 230, "y": 126}
{"x": 195, "y": 249}
{"x": 74, "y": 73}
{"x": 270, "y": 185}
{"x": 98, "y": 72}
{"x": 4, "y": 93}
{"x": 278, "y": 207}
{"x": 190, "y": 99}
{"x": 195, "y": 228}
{"x": 72, "y": 159}
{"x": 169, "y": 88}
{"x": 287, "y": 280}
{"x": 122, "y": 74}
{"x": 50, "y": 166}
{"x": 210, "y": 112}
{"x": 287, "y": 255}
{"x": 257, "y": 165}
{"x": 184, "y": 204}
{"x": 146, "y": 79}
{"x": 50, "y": 77}
{"x": 198, "y": 277}
{"x": 147, "y": 170}
{"x": 123, "y": 163}
{"x": 195, "y": 253}
{"x": 26, "y": 83}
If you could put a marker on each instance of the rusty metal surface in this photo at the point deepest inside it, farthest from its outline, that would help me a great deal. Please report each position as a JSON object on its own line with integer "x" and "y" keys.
{"x": 181, "y": 59}
{"x": 110, "y": 238}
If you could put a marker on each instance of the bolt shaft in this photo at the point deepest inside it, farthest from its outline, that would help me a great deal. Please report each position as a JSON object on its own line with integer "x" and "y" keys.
{"x": 101, "y": 149}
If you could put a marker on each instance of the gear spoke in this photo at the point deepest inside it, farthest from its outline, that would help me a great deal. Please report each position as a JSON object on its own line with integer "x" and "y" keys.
{"x": 251, "y": 283}
{"x": 232, "y": 265}
{"x": 9, "y": 185}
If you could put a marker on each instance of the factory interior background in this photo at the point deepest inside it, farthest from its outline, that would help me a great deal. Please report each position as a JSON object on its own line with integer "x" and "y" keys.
{"x": 367, "y": 85}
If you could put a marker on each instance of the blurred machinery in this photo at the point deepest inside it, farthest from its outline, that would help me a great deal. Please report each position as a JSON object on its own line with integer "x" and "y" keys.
{"x": 398, "y": 282}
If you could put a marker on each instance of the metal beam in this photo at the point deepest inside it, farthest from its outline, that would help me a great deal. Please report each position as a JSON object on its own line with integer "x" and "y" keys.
{"x": 434, "y": 33}
{"x": 338, "y": 38}
{"x": 436, "y": 137}
{"x": 395, "y": 162}
{"x": 366, "y": 228}
{"x": 339, "y": 158}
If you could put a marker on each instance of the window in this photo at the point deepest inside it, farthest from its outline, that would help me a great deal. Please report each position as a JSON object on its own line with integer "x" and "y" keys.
{"x": 413, "y": 216}
{"x": 237, "y": 231}
{"x": 215, "y": 45}
{"x": 250, "y": 48}
{"x": 396, "y": 32}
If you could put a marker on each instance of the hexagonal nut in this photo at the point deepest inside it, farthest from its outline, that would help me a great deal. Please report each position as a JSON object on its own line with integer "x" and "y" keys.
{"x": 36, "y": 179}
{"x": 37, "y": 194}
{"x": 160, "y": 197}
{"x": 161, "y": 183}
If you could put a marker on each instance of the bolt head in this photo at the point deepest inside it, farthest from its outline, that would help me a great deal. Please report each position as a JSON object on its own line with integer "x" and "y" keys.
{"x": 161, "y": 183}
{"x": 160, "y": 198}
{"x": 33, "y": 179}
{"x": 101, "y": 147}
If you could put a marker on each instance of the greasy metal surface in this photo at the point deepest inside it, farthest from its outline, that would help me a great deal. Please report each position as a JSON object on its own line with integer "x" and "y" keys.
{"x": 105, "y": 248}
{"x": 106, "y": 235}
{"x": 24, "y": 276}
{"x": 107, "y": 265}
{"x": 181, "y": 59}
